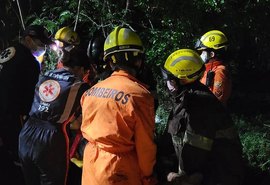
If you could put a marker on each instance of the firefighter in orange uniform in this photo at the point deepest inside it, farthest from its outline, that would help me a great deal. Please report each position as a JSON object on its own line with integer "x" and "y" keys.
{"x": 118, "y": 118}
{"x": 213, "y": 47}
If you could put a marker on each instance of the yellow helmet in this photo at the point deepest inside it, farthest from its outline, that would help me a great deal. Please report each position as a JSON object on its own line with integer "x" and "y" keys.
{"x": 214, "y": 39}
{"x": 122, "y": 40}
{"x": 68, "y": 36}
{"x": 185, "y": 64}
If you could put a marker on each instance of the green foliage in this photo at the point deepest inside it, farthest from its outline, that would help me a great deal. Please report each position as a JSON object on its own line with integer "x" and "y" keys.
{"x": 161, "y": 43}
{"x": 211, "y": 5}
{"x": 255, "y": 138}
{"x": 256, "y": 148}
{"x": 64, "y": 16}
{"x": 170, "y": 25}
{"x": 161, "y": 121}
{"x": 51, "y": 60}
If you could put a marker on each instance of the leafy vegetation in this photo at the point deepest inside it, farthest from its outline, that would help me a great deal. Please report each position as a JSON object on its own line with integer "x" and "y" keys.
{"x": 255, "y": 137}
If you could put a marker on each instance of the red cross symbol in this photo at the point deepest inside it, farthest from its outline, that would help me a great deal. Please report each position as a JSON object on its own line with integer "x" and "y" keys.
{"x": 48, "y": 90}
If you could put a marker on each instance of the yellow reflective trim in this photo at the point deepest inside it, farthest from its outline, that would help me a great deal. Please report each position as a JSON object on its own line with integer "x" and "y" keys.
{"x": 113, "y": 59}
{"x": 77, "y": 162}
{"x": 198, "y": 141}
{"x": 70, "y": 102}
{"x": 228, "y": 133}
{"x": 126, "y": 56}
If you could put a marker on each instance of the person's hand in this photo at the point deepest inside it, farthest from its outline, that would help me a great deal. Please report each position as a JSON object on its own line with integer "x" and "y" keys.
{"x": 172, "y": 176}
{"x": 75, "y": 124}
{"x": 183, "y": 179}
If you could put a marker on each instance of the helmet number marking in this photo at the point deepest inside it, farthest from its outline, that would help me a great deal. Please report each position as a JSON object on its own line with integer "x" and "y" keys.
{"x": 212, "y": 38}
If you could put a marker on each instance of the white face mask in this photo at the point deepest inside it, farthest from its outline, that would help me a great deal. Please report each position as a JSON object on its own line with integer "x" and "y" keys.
{"x": 172, "y": 86}
{"x": 205, "y": 56}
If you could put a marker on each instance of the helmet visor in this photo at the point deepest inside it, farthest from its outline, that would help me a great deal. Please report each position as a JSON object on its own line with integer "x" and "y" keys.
{"x": 167, "y": 76}
{"x": 59, "y": 43}
{"x": 199, "y": 45}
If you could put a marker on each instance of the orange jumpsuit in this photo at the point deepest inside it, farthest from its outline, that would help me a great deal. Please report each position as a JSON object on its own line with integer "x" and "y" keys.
{"x": 221, "y": 85}
{"x": 118, "y": 122}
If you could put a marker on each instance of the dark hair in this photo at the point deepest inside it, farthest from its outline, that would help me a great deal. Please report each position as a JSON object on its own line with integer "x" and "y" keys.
{"x": 95, "y": 48}
{"x": 222, "y": 54}
{"x": 38, "y": 32}
{"x": 77, "y": 57}
{"x": 126, "y": 61}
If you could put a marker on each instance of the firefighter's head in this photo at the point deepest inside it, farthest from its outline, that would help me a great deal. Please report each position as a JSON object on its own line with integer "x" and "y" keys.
{"x": 123, "y": 48}
{"x": 182, "y": 67}
{"x": 95, "y": 51}
{"x": 36, "y": 37}
{"x": 66, "y": 38}
{"x": 212, "y": 44}
{"x": 78, "y": 62}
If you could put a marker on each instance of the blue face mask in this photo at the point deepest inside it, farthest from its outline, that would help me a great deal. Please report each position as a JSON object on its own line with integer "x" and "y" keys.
{"x": 171, "y": 85}
{"x": 39, "y": 51}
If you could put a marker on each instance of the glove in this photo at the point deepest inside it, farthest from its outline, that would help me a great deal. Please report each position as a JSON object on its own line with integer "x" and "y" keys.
{"x": 183, "y": 179}
{"x": 172, "y": 176}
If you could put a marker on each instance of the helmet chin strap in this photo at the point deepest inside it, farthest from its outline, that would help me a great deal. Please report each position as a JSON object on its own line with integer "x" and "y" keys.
{"x": 139, "y": 69}
{"x": 123, "y": 61}
{"x": 177, "y": 87}
{"x": 69, "y": 48}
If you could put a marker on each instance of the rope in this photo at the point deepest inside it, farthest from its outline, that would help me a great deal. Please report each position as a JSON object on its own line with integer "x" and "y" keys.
{"x": 20, "y": 12}
{"x": 77, "y": 16}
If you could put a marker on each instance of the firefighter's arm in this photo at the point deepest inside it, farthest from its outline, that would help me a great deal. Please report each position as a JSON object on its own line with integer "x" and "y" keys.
{"x": 144, "y": 139}
{"x": 76, "y": 123}
{"x": 222, "y": 85}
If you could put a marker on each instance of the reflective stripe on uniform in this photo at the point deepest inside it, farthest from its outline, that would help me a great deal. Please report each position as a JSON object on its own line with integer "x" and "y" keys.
{"x": 70, "y": 102}
{"x": 198, "y": 141}
{"x": 206, "y": 143}
{"x": 177, "y": 140}
{"x": 228, "y": 133}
